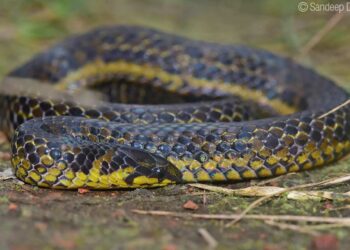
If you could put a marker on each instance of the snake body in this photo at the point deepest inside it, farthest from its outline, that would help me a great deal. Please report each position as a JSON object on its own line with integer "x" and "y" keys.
{"x": 175, "y": 111}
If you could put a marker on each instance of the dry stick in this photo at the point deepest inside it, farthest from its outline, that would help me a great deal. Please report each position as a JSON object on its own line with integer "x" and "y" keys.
{"x": 334, "y": 109}
{"x": 262, "y": 199}
{"x": 324, "y": 226}
{"x": 322, "y": 32}
{"x": 292, "y": 227}
{"x": 264, "y": 191}
{"x": 259, "y": 191}
{"x": 340, "y": 208}
{"x": 212, "y": 243}
{"x": 200, "y": 193}
{"x": 264, "y": 182}
{"x": 293, "y": 218}
{"x": 332, "y": 181}
{"x": 204, "y": 198}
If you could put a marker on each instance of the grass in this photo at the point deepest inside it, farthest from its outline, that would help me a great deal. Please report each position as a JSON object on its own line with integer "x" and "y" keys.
{"x": 46, "y": 219}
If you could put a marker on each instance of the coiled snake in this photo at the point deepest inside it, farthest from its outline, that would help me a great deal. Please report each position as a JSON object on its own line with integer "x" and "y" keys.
{"x": 174, "y": 110}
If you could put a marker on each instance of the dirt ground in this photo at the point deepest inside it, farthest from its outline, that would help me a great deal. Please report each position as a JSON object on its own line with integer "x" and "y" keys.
{"x": 35, "y": 218}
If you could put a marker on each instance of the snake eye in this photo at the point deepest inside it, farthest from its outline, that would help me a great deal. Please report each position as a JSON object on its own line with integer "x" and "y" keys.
{"x": 158, "y": 173}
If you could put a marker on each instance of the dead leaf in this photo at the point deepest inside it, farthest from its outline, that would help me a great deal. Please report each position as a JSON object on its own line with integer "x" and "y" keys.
{"x": 325, "y": 242}
{"x": 170, "y": 247}
{"x": 83, "y": 190}
{"x": 12, "y": 207}
{"x": 190, "y": 205}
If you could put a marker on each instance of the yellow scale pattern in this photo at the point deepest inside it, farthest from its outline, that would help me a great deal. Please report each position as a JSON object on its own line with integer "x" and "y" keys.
{"x": 258, "y": 162}
{"x": 149, "y": 72}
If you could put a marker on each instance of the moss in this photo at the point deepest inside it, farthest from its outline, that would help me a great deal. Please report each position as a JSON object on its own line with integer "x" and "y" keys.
{"x": 4, "y": 199}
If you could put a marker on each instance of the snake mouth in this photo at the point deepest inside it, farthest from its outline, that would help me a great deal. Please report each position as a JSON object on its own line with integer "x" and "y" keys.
{"x": 149, "y": 166}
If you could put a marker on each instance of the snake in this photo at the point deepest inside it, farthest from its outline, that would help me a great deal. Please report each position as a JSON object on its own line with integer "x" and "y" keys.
{"x": 170, "y": 110}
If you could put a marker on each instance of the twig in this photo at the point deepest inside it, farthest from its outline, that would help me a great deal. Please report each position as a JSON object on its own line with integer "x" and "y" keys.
{"x": 200, "y": 193}
{"x": 334, "y": 181}
{"x": 213, "y": 188}
{"x": 262, "y": 199}
{"x": 212, "y": 243}
{"x": 267, "y": 181}
{"x": 339, "y": 208}
{"x": 257, "y": 191}
{"x": 204, "y": 198}
{"x": 292, "y": 218}
{"x": 273, "y": 191}
{"x": 318, "y": 195}
{"x": 332, "y": 22}
{"x": 292, "y": 227}
{"x": 258, "y": 202}
{"x": 334, "y": 109}
{"x": 324, "y": 226}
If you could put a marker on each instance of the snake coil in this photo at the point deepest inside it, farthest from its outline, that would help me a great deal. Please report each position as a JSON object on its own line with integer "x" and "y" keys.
{"x": 173, "y": 110}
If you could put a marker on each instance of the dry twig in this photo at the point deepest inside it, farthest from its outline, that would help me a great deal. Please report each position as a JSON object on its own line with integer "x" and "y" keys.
{"x": 261, "y": 191}
{"x": 332, "y": 22}
{"x": 324, "y": 183}
{"x": 212, "y": 243}
{"x": 345, "y": 221}
{"x": 335, "y": 109}
{"x": 269, "y": 192}
{"x": 292, "y": 227}
{"x": 271, "y": 180}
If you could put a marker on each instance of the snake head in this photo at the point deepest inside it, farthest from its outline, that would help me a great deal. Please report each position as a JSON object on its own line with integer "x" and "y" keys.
{"x": 149, "y": 166}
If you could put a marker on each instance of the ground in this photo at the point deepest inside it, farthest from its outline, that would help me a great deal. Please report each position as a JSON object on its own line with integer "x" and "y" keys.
{"x": 34, "y": 218}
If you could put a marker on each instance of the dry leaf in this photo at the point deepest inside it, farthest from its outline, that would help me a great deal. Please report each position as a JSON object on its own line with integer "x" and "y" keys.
{"x": 325, "y": 242}
{"x": 190, "y": 205}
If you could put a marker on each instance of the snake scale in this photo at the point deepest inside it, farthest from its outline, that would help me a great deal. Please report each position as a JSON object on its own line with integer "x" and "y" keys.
{"x": 174, "y": 110}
